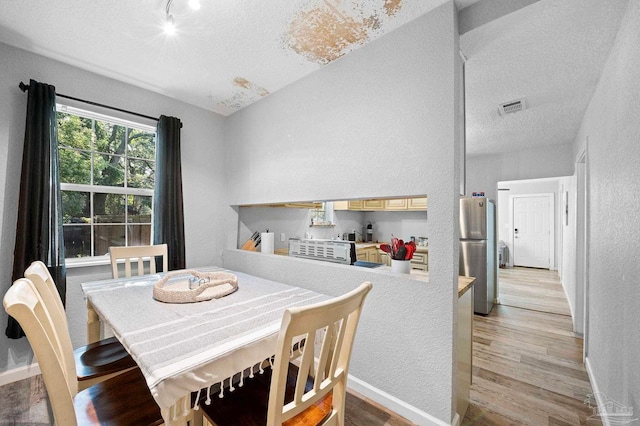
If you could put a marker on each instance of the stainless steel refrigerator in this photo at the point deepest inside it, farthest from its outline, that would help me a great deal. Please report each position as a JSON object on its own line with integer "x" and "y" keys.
{"x": 478, "y": 250}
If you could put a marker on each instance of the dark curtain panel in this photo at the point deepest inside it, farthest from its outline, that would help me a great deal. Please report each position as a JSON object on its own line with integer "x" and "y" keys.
{"x": 168, "y": 214}
{"x": 39, "y": 230}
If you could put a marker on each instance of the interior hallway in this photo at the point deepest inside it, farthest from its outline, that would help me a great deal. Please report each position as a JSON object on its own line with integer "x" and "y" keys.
{"x": 527, "y": 363}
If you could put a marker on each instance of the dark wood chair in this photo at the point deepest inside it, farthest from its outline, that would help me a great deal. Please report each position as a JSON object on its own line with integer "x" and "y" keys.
{"x": 122, "y": 400}
{"x": 95, "y": 362}
{"x": 310, "y": 392}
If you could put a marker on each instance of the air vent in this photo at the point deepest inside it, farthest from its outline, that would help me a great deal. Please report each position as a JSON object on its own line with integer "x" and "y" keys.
{"x": 511, "y": 107}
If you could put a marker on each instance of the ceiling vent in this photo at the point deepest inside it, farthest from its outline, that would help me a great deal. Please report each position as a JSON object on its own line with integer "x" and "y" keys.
{"x": 511, "y": 107}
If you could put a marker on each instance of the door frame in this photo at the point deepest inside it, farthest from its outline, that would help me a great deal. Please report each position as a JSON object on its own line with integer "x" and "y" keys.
{"x": 582, "y": 248}
{"x": 552, "y": 226}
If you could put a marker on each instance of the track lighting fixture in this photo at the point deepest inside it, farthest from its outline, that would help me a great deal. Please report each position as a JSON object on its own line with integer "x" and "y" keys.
{"x": 169, "y": 22}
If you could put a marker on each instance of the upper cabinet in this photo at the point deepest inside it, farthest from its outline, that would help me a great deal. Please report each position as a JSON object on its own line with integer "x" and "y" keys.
{"x": 417, "y": 203}
{"x": 395, "y": 204}
{"x": 301, "y": 205}
{"x": 373, "y": 204}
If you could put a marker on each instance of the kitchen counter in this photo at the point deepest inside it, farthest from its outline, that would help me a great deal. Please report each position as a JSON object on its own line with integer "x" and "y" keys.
{"x": 362, "y": 245}
{"x": 464, "y": 284}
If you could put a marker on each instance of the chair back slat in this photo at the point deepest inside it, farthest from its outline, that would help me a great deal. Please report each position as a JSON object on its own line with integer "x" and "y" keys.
{"x": 139, "y": 254}
{"x": 305, "y": 366}
{"x": 39, "y": 275}
{"x": 23, "y": 302}
{"x": 306, "y": 321}
{"x": 336, "y": 346}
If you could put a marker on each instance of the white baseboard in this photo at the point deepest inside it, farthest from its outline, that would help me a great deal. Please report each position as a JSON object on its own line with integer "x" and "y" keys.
{"x": 394, "y": 404}
{"x": 456, "y": 420}
{"x": 566, "y": 295}
{"x": 596, "y": 391}
{"x": 19, "y": 373}
{"x": 601, "y": 399}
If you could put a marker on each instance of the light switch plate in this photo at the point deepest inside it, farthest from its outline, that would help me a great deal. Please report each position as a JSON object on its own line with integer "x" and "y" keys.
{"x": 282, "y": 236}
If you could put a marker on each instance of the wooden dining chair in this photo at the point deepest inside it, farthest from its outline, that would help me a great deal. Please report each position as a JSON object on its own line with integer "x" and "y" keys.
{"x": 310, "y": 392}
{"x": 95, "y": 362}
{"x": 121, "y": 400}
{"x": 140, "y": 254}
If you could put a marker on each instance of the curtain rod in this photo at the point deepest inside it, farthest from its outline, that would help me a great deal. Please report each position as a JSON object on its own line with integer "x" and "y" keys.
{"x": 25, "y": 87}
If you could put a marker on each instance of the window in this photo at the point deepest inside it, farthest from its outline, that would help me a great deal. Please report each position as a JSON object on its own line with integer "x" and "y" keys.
{"x": 107, "y": 173}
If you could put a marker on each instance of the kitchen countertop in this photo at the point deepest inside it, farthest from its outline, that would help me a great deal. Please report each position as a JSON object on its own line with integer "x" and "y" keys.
{"x": 464, "y": 284}
{"x": 419, "y": 249}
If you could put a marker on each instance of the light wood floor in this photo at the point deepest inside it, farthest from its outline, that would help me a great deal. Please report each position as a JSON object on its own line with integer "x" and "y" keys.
{"x": 527, "y": 362}
{"x": 534, "y": 289}
{"x": 527, "y": 366}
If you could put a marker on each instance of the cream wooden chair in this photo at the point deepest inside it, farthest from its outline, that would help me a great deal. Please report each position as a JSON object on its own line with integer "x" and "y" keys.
{"x": 122, "y": 400}
{"x": 95, "y": 362}
{"x": 140, "y": 254}
{"x": 313, "y": 393}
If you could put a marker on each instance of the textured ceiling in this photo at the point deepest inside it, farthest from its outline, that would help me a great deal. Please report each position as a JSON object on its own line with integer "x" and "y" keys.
{"x": 230, "y": 54}
{"x": 223, "y": 57}
{"x": 551, "y": 53}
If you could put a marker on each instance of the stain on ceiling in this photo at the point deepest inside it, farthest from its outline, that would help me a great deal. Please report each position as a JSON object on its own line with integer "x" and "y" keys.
{"x": 222, "y": 57}
{"x": 232, "y": 53}
{"x": 330, "y": 29}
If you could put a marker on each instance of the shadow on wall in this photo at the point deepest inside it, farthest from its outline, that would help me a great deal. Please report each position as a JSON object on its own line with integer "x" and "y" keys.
{"x": 13, "y": 352}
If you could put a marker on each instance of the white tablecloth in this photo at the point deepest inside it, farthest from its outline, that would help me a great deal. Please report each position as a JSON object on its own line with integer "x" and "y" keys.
{"x": 182, "y": 348}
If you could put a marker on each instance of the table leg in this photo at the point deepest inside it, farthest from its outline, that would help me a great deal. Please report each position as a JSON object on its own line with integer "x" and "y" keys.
{"x": 182, "y": 414}
{"x": 93, "y": 324}
{"x": 197, "y": 418}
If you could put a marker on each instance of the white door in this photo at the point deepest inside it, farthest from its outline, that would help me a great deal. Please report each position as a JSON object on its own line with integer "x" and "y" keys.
{"x": 531, "y": 231}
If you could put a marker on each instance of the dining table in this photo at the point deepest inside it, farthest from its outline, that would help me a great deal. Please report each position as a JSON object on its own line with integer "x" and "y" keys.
{"x": 206, "y": 348}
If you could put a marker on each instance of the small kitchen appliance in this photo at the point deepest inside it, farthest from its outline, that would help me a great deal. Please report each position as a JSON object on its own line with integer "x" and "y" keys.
{"x": 368, "y": 233}
{"x": 336, "y": 251}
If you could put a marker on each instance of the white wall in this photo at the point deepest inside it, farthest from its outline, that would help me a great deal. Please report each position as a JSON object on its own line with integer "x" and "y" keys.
{"x": 400, "y": 224}
{"x": 393, "y": 100}
{"x": 612, "y": 126}
{"x": 485, "y": 171}
{"x": 202, "y": 160}
{"x": 295, "y": 223}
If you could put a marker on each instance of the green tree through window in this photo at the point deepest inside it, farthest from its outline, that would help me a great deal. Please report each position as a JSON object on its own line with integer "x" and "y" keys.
{"x": 107, "y": 173}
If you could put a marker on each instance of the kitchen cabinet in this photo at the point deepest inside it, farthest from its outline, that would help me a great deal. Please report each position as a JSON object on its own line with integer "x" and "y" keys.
{"x": 354, "y": 205}
{"x": 340, "y": 205}
{"x": 417, "y": 203}
{"x": 420, "y": 260}
{"x": 384, "y": 257}
{"x": 306, "y": 205}
{"x": 379, "y": 204}
{"x": 359, "y": 205}
{"x": 368, "y": 254}
{"x": 373, "y": 204}
{"x": 464, "y": 350}
{"x": 397, "y": 204}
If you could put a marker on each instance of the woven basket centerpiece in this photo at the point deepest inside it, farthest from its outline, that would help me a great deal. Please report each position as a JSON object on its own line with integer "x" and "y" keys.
{"x": 194, "y": 286}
